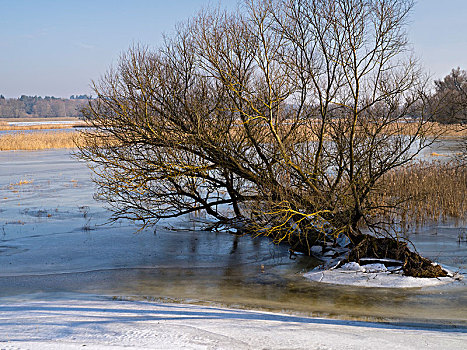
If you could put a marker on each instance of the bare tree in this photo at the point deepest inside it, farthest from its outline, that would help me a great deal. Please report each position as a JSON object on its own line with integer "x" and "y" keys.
{"x": 451, "y": 98}
{"x": 284, "y": 117}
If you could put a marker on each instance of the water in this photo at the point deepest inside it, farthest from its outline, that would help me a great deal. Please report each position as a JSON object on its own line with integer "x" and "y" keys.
{"x": 442, "y": 149}
{"x": 52, "y": 242}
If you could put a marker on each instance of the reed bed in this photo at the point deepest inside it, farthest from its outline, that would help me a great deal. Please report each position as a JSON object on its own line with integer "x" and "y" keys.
{"x": 424, "y": 192}
{"x": 39, "y": 119}
{"x": 38, "y": 140}
{"x": 37, "y": 127}
{"x": 430, "y": 129}
{"x": 6, "y": 126}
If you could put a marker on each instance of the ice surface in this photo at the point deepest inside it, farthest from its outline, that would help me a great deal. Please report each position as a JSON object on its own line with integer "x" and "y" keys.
{"x": 51, "y": 239}
{"x": 110, "y": 324}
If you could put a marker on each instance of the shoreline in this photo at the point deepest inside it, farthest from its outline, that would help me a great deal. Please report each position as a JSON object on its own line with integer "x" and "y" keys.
{"x": 103, "y": 323}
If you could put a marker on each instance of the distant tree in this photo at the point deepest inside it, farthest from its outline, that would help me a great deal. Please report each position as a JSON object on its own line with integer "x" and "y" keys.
{"x": 36, "y": 106}
{"x": 450, "y": 98}
{"x": 80, "y": 97}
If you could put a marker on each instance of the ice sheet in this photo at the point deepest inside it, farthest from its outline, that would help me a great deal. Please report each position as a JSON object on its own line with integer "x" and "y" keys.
{"x": 108, "y": 324}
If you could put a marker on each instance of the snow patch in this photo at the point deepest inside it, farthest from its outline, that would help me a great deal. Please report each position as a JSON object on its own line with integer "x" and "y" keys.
{"x": 374, "y": 268}
{"x": 117, "y": 325}
{"x": 375, "y": 275}
{"x": 352, "y": 266}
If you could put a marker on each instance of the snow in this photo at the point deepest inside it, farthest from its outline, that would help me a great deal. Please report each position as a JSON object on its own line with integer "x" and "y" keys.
{"x": 374, "y": 268}
{"x": 352, "y": 266}
{"x": 374, "y": 275}
{"x": 101, "y": 323}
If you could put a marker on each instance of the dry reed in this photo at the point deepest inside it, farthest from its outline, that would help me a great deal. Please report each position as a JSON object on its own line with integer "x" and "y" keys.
{"x": 431, "y": 129}
{"x": 6, "y": 126}
{"x": 38, "y": 127}
{"x": 38, "y": 119}
{"x": 37, "y": 140}
{"x": 424, "y": 192}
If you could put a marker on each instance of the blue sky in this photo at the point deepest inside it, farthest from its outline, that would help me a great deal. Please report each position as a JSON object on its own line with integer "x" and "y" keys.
{"x": 56, "y": 47}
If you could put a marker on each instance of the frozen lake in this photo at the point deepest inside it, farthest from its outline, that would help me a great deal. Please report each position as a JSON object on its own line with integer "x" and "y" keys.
{"x": 53, "y": 243}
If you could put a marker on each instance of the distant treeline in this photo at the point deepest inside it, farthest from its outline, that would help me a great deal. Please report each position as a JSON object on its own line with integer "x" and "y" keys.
{"x": 37, "y": 106}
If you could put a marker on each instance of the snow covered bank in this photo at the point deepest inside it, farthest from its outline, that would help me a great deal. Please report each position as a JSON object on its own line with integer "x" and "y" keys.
{"x": 375, "y": 275}
{"x": 108, "y": 324}
{"x": 369, "y": 279}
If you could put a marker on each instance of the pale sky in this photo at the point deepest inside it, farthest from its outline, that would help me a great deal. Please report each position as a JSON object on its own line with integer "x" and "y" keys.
{"x": 56, "y": 47}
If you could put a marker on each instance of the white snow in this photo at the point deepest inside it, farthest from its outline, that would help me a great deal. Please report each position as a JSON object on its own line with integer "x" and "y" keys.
{"x": 352, "y": 266}
{"x": 111, "y": 324}
{"x": 374, "y": 268}
{"x": 373, "y": 275}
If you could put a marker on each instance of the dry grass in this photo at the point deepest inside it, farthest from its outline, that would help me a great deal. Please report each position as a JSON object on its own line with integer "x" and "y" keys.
{"x": 38, "y": 127}
{"x": 433, "y": 129}
{"x": 53, "y": 119}
{"x": 37, "y": 140}
{"x": 425, "y": 192}
{"x": 21, "y": 182}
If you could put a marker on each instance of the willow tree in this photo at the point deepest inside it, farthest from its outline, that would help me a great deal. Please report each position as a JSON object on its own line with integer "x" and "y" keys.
{"x": 283, "y": 117}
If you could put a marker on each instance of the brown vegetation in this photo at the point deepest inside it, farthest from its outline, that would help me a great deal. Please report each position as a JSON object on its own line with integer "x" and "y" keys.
{"x": 41, "y": 120}
{"x": 414, "y": 265}
{"x": 20, "y": 183}
{"x": 423, "y": 192}
{"x": 434, "y": 129}
{"x": 37, "y": 140}
{"x": 37, "y": 127}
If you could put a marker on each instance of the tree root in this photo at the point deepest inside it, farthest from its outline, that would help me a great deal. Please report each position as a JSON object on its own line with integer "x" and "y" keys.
{"x": 366, "y": 246}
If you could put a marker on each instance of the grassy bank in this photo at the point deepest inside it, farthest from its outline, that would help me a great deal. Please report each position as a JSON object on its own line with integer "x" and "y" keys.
{"x": 37, "y": 140}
